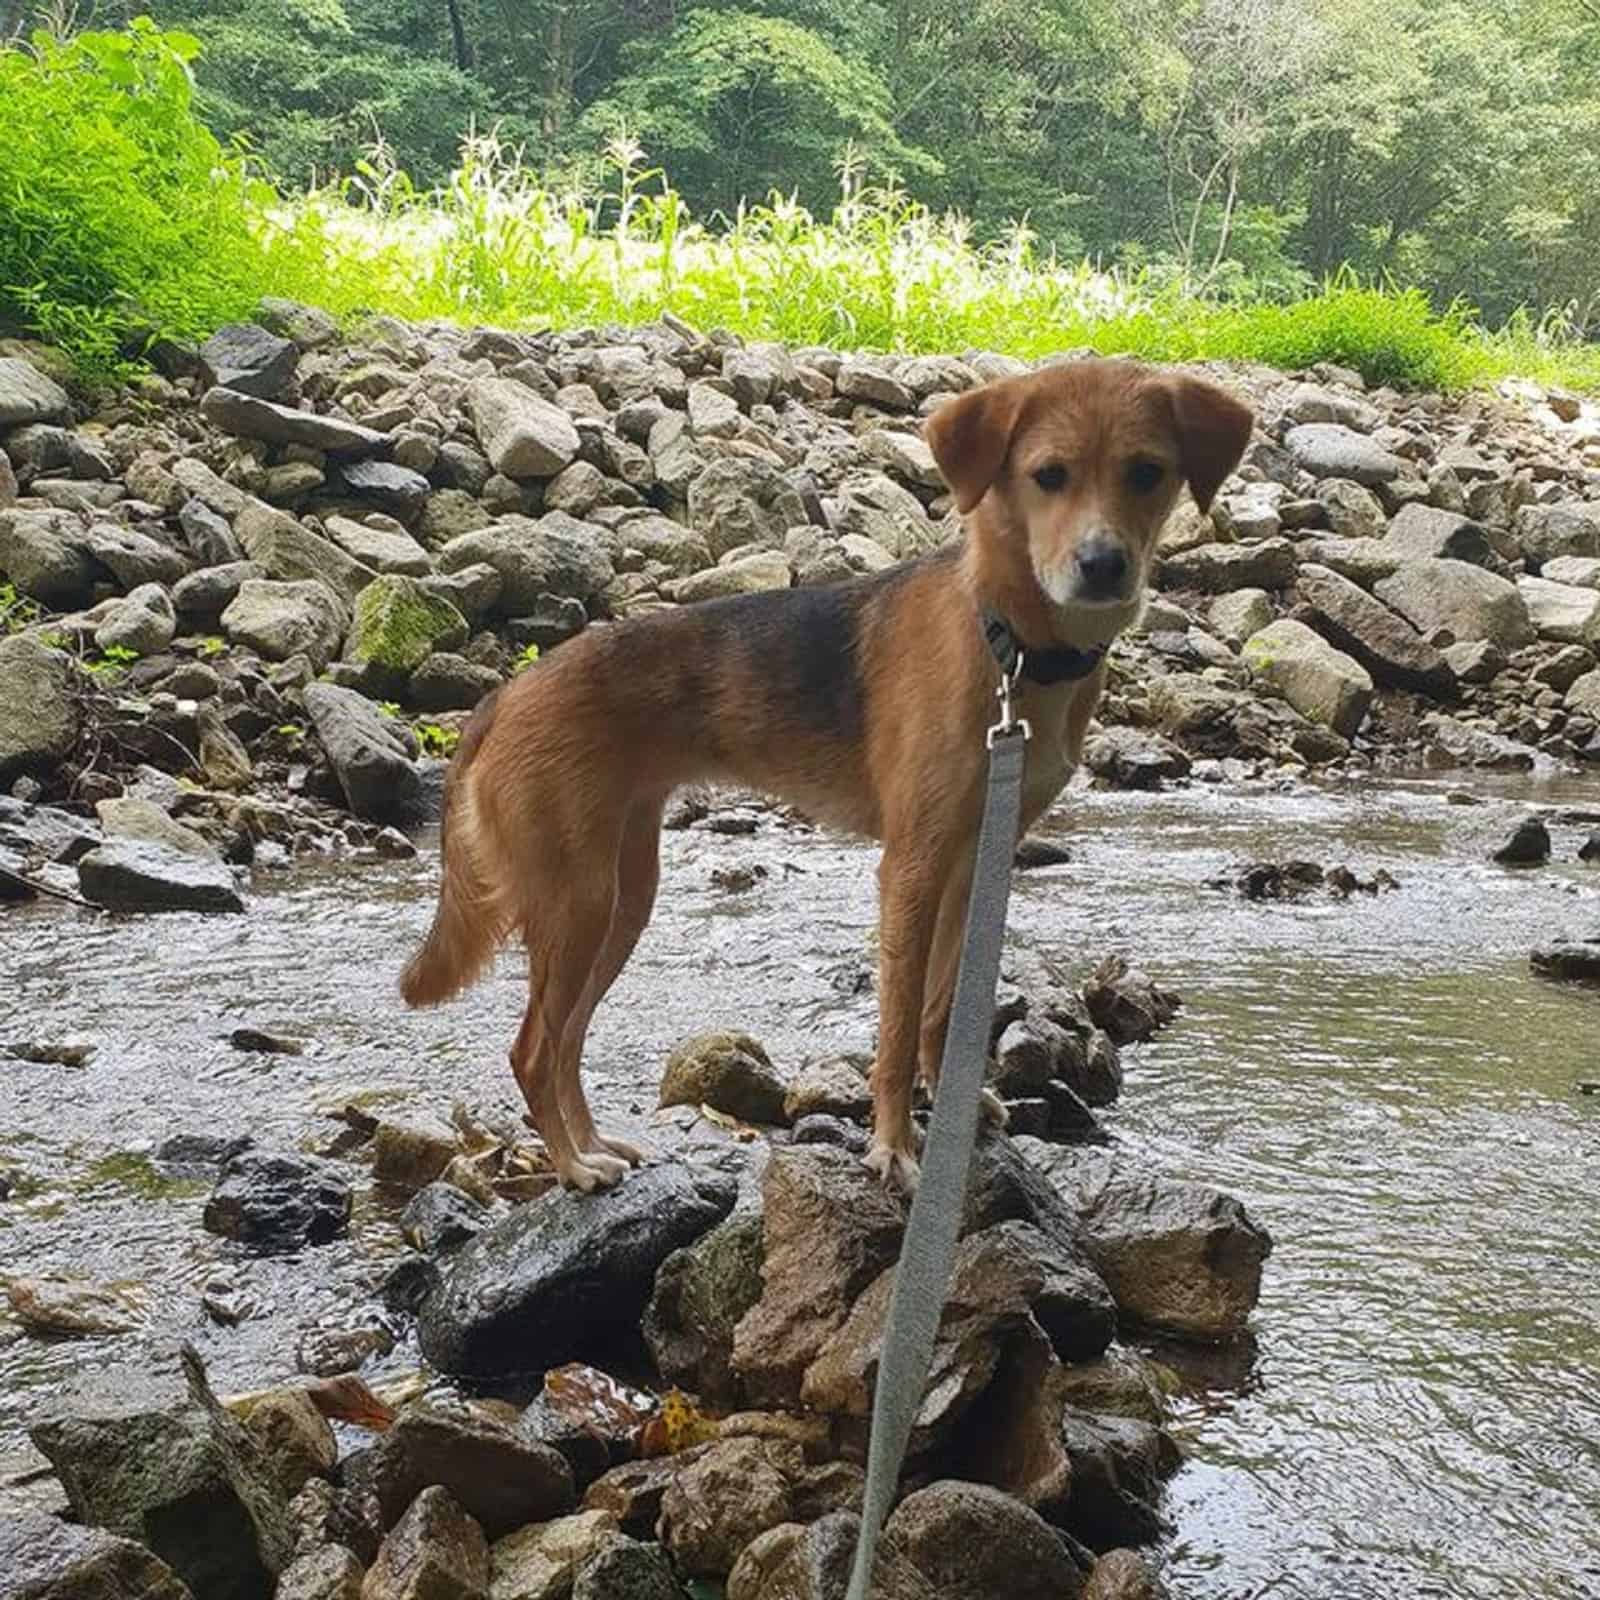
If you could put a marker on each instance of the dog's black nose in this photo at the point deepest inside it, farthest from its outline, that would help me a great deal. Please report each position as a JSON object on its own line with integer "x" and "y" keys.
{"x": 1102, "y": 566}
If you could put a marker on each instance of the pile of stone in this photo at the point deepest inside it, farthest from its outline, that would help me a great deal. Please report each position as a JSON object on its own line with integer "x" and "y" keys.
{"x": 285, "y": 569}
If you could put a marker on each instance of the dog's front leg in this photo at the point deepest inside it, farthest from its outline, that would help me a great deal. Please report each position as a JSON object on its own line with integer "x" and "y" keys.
{"x": 910, "y": 882}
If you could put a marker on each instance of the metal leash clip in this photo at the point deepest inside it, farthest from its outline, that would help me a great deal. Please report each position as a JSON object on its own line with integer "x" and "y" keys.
{"x": 1009, "y": 722}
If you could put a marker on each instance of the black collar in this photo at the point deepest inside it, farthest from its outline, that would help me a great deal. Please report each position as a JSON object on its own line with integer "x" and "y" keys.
{"x": 1060, "y": 665}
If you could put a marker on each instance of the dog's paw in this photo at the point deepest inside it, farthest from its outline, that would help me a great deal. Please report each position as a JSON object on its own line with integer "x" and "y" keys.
{"x": 897, "y": 1170}
{"x": 622, "y": 1150}
{"x": 592, "y": 1172}
{"x": 994, "y": 1109}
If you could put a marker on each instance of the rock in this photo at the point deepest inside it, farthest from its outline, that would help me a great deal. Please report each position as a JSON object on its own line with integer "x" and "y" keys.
{"x": 1362, "y": 561}
{"x": 972, "y": 1542}
{"x": 657, "y": 538}
{"x": 42, "y": 1558}
{"x": 38, "y": 711}
{"x": 559, "y": 1275}
{"x": 133, "y": 558}
{"x": 436, "y": 1552}
{"x": 246, "y": 358}
{"x": 291, "y": 551}
{"x": 1564, "y": 530}
{"x": 1331, "y": 450}
{"x": 1353, "y": 511}
{"x": 379, "y": 548}
{"x": 440, "y": 1217}
{"x": 450, "y": 513}
{"x": 294, "y": 1438}
{"x": 277, "y": 1203}
{"x": 248, "y": 418}
{"x": 143, "y": 622}
{"x": 620, "y": 1568}
{"x": 203, "y": 596}
{"x": 411, "y": 1149}
{"x": 1123, "y": 1575}
{"x": 905, "y": 456}
{"x": 633, "y": 1493}
{"x": 398, "y": 624}
{"x": 751, "y": 574}
{"x": 737, "y": 502}
{"x": 132, "y": 875}
{"x": 1127, "y": 1003}
{"x": 1180, "y": 1257}
{"x": 1528, "y": 846}
{"x": 712, "y": 413}
{"x": 1221, "y": 568}
{"x": 27, "y": 395}
{"x": 1319, "y": 681}
{"x": 795, "y": 1562}
{"x": 44, "y": 556}
{"x": 729, "y": 1071}
{"x": 1132, "y": 758}
{"x": 128, "y": 817}
{"x": 398, "y": 490}
{"x": 501, "y": 1479}
{"x": 540, "y": 1562}
{"x": 1454, "y": 743}
{"x": 140, "y": 1458}
{"x": 70, "y": 1308}
{"x": 1236, "y": 616}
{"x": 1570, "y": 961}
{"x": 834, "y": 1087}
{"x": 555, "y": 555}
{"x": 1561, "y": 612}
{"x": 280, "y": 620}
{"x": 1471, "y": 603}
{"x": 8, "y": 482}
{"x": 1422, "y": 532}
{"x": 330, "y": 1572}
{"x": 1311, "y": 402}
{"x": 1118, "y": 1464}
{"x": 1583, "y": 697}
{"x": 1391, "y": 650}
{"x": 366, "y": 751}
{"x": 724, "y": 1497}
{"x": 523, "y": 435}
{"x": 861, "y": 378}
{"x": 446, "y": 682}
{"x": 1579, "y": 571}
{"x": 874, "y": 508}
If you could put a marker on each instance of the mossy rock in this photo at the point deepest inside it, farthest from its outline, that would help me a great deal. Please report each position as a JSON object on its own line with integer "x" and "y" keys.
{"x": 399, "y": 624}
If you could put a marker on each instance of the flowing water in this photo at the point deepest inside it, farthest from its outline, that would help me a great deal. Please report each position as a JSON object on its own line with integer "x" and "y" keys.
{"x": 1380, "y": 1081}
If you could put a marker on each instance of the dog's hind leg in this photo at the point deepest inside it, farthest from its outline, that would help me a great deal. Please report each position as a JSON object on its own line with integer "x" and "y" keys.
{"x": 638, "y": 874}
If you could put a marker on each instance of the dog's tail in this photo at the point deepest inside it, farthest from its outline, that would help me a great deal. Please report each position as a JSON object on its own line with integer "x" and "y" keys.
{"x": 468, "y": 923}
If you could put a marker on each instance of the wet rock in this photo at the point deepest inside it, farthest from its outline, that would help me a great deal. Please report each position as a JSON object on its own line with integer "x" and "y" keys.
{"x": 367, "y": 753}
{"x": 274, "y": 1203}
{"x": 1034, "y": 853}
{"x": 1528, "y": 846}
{"x": 523, "y": 435}
{"x": 1123, "y": 1575}
{"x": 1181, "y": 1257}
{"x": 796, "y": 1562}
{"x": 1320, "y": 682}
{"x": 1222, "y": 568}
{"x": 1421, "y": 532}
{"x": 440, "y": 1217}
{"x": 1562, "y": 612}
{"x": 972, "y": 1542}
{"x": 1569, "y": 961}
{"x": 70, "y": 1307}
{"x": 141, "y": 1459}
{"x": 1471, "y": 603}
{"x": 620, "y": 1568}
{"x": 1127, "y": 1003}
{"x": 245, "y": 357}
{"x": 1390, "y": 649}
{"x": 294, "y": 1438}
{"x": 436, "y": 1552}
{"x": 1118, "y": 1465}
{"x": 38, "y": 713}
{"x": 835, "y": 1087}
{"x": 131, "y": 875}
{"x": 127, "y": 817}
{"x": 199, "y": 1155}
{"x": 1331, "y": 450}
{"x": 332, "y": 1352}
{"x": 1589, "y": 850}
{"x": 560, "y": 1275}
{"x": 1119, "y": 1383}
{"x": 281, "y": 620}
{"x": 633, "y": 1493}
{"x": 1134, "y": 758}
{"x": 728, "y": 1071}
{"x": 501, "y": 1479}
{"x": 42, "y": 1558}
{"x": 540, "y": 1562}
{"x": 249, "y": 418}
{"x": 329, "y": 1573}
{"x": 1452, "y": 743}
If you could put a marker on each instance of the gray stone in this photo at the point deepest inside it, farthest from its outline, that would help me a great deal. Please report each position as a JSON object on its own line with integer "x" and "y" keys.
{"x": 143, "y": 622}
{"x": 1452, "y": 743}
{"x": 620, "y": 1568}
{"x": 330, "y": 1572}
{"x": 1134, "y": 758}
{"x": 860, "y": 378}
{"x": 1353, "y": 510}
{"x": 750, "y": 574}
{"x": 8, "y": 482}
{"x": 398, "y": 490}
{"x": 131, "y": 557}
{"x": 1221, "y": 568}
{"x": 523, "y": 435}
{"x": 134, "y": 875}
{"x": 904, "y": 456}
{"x": 473, "y": 589}
{"x": 873, "y": 506}
{"x": 27, "y": 395}
{"x": 42, "y": 1558}
{"x": 712, "y": 413}
{"x": 1549, "y": 532}
{"x": 131, "y": 817}
{"x": 435, "y": 1552}
{"x": 1471, "y": 603}
{"x": 42, "y": 553}
{"x": 1330, "y": 450}
{"x": 280, "y": 620}
{"x": 1362, "y": 561}
{"x": 448, "y": 682}
{"x": 737, "y": 502}
{"x": 555, "y": 555}
{"x": 1320, "y": 682}
{"x": 1420, "y": 532}
{"x": 1561, "y": 612}
{"x": 245, "y": 357}
{"x": 1582, "y": 572}
{"x": 248, "y": 418}
{"x": 1236, "y": 616}
{"x": 450, "y": 513}
{"x": 1584, "y": 696}
{"x": 208, "y": 535}
{"x": 38, "y": 713}
{"x": 310, "y": 327}
{"x": 1384, "y": 643}
{"x": 366, "y": 751}
{"x": 291, "y": 551}
{"x": 658, "y": 538}
{"x": 379, "y": 548}
{"x": 577, "y": 490}
{"x": 1311, "y": 402}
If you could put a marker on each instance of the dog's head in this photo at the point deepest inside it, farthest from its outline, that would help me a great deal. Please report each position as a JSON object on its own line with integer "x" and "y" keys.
{"x": 1077, "y": 467}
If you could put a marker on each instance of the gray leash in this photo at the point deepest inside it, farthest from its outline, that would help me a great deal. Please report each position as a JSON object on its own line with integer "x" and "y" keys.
{"x": 927, "y": 1253}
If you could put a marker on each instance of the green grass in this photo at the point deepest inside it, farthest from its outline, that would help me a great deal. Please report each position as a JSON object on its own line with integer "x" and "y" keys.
{"x": 121, "y": 216}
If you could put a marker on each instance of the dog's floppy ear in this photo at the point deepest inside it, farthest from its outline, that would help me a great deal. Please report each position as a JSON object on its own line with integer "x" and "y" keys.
{"x": 1213, "y": 430}
{"x": 970, "y": 436}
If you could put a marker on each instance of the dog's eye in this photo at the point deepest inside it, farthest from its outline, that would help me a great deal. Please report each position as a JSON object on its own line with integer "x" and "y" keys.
{"x": 1052, "y": 478}
{"x": 1143, "y": 476}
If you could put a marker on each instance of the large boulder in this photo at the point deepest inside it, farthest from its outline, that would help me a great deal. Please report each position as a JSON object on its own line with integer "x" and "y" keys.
{"x": 1422, "y": 532}
{"x": 279, "y": 620}
{"x": 38, "y": 714}
{"x": 43, "y": 1558}
{"x": 367, "y": 752}
{"x": 556, "y": 555}
{"x": 249, "y": 418}
{"x": 43, "y": 555}
{"x": 435, "y": 1552}
{"x": 135, "y": 875}
{"x": 1331, "y": 450}
{"x": 1383, "y": 642}
{"x": 1320, "y": 682}
{"x": 1561, "y": 612}
{"x": 523, "y": 435}
{"x": 1465, "y": 600}
{"x": 561, "y": 1274}
{"x": 245, "y": 357}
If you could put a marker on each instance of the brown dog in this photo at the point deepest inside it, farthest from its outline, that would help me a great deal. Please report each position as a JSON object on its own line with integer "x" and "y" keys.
{"x": 863, "y": 703}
